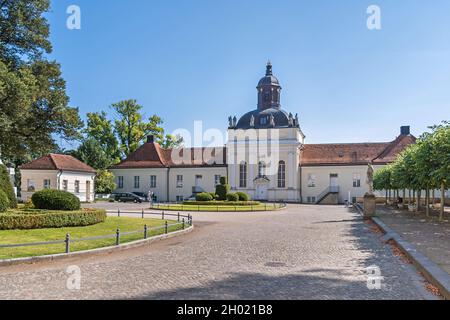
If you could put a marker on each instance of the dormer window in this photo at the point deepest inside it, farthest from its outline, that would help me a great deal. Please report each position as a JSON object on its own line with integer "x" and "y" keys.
{"x": 263, "y": 121}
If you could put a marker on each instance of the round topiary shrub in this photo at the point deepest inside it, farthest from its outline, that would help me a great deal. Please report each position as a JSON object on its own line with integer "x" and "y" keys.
{"x": 243, "y": 196}
{"x": 203, "y": 197}
{"x": 50, "y": 199}
{"x": 4, "y": 201}
{"x": 232, "y": 197}
{"x": 222, "y": 189}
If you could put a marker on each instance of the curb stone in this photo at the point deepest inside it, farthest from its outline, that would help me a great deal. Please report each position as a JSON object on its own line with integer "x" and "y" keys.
{"x": 94, "y": 252}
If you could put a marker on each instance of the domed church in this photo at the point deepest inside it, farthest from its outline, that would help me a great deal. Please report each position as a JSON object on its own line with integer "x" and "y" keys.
{"x": 266, "y": 157}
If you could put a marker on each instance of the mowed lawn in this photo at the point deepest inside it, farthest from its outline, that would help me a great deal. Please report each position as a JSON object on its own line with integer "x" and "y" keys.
{"x": 108, "y": 227}
{"x": 213, "y": 208}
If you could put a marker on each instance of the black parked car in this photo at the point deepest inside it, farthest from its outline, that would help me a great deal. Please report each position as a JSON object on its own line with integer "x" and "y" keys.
{"x": 142, "y": 195}
{"x": 128, "y": 197}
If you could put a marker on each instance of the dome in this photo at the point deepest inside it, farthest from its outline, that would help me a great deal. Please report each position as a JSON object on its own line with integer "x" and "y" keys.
{"x": 269, "y": 79}
{"x": 262, "y": 119}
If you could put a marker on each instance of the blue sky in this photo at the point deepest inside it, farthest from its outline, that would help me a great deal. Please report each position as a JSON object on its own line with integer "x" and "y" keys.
{"x": 201, "y": 60}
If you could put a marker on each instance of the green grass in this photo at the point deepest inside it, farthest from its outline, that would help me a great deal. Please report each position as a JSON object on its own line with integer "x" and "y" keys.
{"x": 106, "y": 228}
{"x": 212, "y": 208}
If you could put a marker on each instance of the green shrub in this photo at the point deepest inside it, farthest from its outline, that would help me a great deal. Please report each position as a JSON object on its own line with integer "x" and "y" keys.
{"x": 35, "y": 219}
{"x": 221, "y": 203}
{"x": 204, "y": 197}
{"x": 213, "y": 195}
{"x": 222, "y": 189}
{"x": 6, "y": 187}
{"x": 4, "y": 201}
{"x": 232, "y": 197}
{"x": 243, "y": 196}
{"x": 55, "y": 200}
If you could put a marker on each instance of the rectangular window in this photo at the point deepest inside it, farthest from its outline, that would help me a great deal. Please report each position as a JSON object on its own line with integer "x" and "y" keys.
{"x": 47, "y": 183}
{"x": 31, "y": 186}
{"x": 311, "y": 180}
{"x": 217, "y": 179}
{"x": 65, "y": 185}
{"x": 152, "y": 181}
{"x": 282, "y": 174}
{"x": 179, "y": 181}
{"x": 136, "y": 182}
{"x": 77, "y": 186}
{"x": 311, "y": 200}
{"x": 180, "y": 198}
{"x": 356, "y": 180}
{"x": 120, "y": 182}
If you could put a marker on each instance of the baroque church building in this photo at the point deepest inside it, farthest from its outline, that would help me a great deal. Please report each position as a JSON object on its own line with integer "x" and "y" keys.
{"x": 266, "y": 157}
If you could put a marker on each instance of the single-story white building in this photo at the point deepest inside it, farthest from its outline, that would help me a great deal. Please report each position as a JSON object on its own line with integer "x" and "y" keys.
{"x": 60, "y": 172}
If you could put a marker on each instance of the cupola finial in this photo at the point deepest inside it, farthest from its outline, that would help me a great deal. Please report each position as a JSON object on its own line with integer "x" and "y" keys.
{"x": 269, "y": 69}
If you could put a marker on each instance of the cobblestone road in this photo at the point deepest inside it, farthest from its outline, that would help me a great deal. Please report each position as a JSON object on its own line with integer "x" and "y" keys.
{"x": 304, "y": 252}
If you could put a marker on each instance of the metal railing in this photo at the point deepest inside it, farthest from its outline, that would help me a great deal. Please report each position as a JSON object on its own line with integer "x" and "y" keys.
{"x": 327, "y": 191}
{"x": 182, "y": 220}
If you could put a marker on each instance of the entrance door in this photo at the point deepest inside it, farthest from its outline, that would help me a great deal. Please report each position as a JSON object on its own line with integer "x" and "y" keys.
{"x": 333, "y": 181}
{"x": 88, "y": 191}
{"x": 262, "y": 192}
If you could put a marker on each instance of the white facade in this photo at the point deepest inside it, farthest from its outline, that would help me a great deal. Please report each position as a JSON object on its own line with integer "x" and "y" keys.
{"x": 81, "y": 184}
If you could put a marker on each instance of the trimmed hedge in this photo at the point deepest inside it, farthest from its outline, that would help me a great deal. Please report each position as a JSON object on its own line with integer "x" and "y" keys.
{"x": 35, "y": 219}
{"x": 50, "y": 199}
{"x": 223, "y": 189}
{"x": 243, "y": 196}
{"x": 232, "y": 197}
{"x": 6, "y": 186}
{"x": 4, "y": 201}
{"x": 221, "y": 203}
{"x": 204, "y": 197}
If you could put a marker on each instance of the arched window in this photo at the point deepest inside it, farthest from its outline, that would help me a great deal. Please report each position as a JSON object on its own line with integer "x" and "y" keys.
{"x": 243, "y": 175}
{"x": 261, "y": 169}
{"x": 282, "y": 174}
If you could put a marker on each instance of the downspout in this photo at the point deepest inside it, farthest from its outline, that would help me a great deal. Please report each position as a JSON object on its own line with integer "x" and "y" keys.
{"x": 58, "y": 180}
{"x": 168, "y": 184}
{"x": 300, "y": 183}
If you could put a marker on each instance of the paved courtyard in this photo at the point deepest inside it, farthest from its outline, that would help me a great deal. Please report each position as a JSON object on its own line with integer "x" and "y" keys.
{"x": 304, "y": 252}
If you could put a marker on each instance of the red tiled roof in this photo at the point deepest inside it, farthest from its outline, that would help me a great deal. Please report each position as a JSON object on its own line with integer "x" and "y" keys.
{"x": 58, "y": 162}
{"x": 354, "y": 153}
{"x": 151, "y": 155}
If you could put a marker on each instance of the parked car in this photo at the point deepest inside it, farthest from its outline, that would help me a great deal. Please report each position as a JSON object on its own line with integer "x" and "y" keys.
{"x": 142, "y": 195}
{"x": 128, "y": 197}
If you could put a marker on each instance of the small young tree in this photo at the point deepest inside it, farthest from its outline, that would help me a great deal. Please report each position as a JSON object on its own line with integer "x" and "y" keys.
{"x": 104, "y": 182}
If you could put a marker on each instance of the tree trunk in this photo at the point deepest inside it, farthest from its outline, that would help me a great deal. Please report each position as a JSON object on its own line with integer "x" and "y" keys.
{"x": 441, "y": 215}
{"x": 409, "y": 197}
{"x": 434, "y": 198}
{"x": 427, "y": 202}
{"x": 386, "y": 198}
{"x": 419, "y": 194}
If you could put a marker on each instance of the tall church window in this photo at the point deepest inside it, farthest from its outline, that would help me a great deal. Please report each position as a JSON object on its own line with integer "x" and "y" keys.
{"x": 243, "y": 175}
{"x": 282, "y": 174}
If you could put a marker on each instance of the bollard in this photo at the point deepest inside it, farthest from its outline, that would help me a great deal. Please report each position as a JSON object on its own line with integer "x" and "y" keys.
{"x": 163, "y": 215}
{"x": 178, "y": 217}
{"x": 145, "y": 232}
{"x": 166, "y": 227}
{"x": 142, "y": 213}
{"x": 183, "y": 224}
{"x": 118, "y": 213}
{"x": 67, "y": 243}
{"x": 117, "y": 237}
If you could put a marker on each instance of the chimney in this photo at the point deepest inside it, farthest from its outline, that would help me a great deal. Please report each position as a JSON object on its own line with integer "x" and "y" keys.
{"x": 150, "y": 139}
{"x": 405, "y": 130}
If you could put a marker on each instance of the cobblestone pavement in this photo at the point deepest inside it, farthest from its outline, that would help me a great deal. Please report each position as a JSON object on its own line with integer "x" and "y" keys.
{"x": 428, "y": 235}
{"x": 304, "y": 252}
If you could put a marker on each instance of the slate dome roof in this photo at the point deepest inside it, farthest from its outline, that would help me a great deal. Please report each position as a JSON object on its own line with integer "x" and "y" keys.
{"x": 281, "y": 118}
